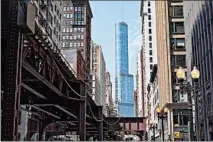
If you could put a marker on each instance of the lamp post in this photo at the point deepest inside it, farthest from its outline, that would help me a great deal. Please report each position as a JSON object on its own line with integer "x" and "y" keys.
{"x": 195, "y": 74}
{"x": 162, "y": 115}
{"x": 153, "y": 126}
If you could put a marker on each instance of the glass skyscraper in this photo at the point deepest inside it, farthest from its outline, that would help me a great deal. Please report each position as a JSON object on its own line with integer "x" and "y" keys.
{"x": 123, "y": 80}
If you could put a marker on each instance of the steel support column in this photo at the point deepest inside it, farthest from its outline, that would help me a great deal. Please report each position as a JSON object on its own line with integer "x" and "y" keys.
{"x": 100, "y": 124}
{"x": 82, "y": 114}
{"x": 12, "y": 44}
{"x": 40, "y": 130}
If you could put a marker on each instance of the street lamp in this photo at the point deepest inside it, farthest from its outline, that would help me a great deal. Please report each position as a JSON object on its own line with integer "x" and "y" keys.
{"x": 153, "y": 126}
{"x": 162, "y": 115}
{"x": 195, "y": 74}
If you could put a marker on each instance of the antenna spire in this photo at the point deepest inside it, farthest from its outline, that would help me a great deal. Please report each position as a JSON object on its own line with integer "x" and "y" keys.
{"x": 122, "y": 12}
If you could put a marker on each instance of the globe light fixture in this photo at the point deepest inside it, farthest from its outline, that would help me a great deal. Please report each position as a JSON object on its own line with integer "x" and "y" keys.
{"x": 157, "y": 109}
{"x": 165, "y": 110}
{"x": 180, "y": 74}
{"x": 195, "y": 73}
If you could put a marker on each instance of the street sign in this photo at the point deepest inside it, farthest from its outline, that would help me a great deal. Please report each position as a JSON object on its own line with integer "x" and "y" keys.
{"x": 177, "y": 135}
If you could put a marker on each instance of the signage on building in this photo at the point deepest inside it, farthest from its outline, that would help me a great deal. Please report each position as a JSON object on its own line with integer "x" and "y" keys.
{"x": 176, "y": 135}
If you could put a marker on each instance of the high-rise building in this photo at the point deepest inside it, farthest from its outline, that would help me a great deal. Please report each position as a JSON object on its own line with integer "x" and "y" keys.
{"x": 199, "y": 39}
{"x": 171, "y": 55}
{"x": 123, "y": 80}
{"x": 98, "y": 67}
{"x": 109, "y": 100}
{"x": 76, "y": 31}
{"x": 149, "y": 49}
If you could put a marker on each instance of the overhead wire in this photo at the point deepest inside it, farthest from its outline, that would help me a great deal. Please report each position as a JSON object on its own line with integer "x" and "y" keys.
{"x": 102, "y": 118}
{"x": 65, "y": 79}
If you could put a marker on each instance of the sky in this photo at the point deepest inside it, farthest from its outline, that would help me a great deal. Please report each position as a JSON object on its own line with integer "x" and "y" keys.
{"x": 105, "y": 15}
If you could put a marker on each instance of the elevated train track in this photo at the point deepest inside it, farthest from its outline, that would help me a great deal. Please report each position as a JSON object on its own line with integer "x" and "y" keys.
{"x": 35, "y": 75}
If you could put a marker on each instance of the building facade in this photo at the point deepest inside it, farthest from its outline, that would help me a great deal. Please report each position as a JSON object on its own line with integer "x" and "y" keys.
{"x": 96, "y": 89}
{"x": 124, "y": 84}
{"x": 109, "y": 100}
{"x": 136, "y": 103}
{"x": 76, "y": 30}
{"x": 98, "y": 67}
{"x": 149, "y": 48}
{"x": 172, "y": 55}
{"x": 198, "y": 30}
{"x": 140, "y": 84}
{"x": 153, "y": 101}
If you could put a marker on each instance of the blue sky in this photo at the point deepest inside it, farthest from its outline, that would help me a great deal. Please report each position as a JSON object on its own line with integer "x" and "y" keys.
{"x": 105, "y": 15}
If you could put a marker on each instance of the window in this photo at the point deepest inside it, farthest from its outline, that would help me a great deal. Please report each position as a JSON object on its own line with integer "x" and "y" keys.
{"x": 178, "y": 60}
{"x": 64, "y": 15}
{"x": 150, "y": 45}
{"x": 82, "y": 44}
{"x": 64, "y": 30}
{"x": 63, "y": 44}
{"x": 71, "y": 15}
{"x": 149, "y": 11}
{"x": 149, "y": 3}
{"x": 178, "y": 44}
{"x": 82, "y": 36}
{"x": 67, "y": 16}
{"x": 70, "y": 44}
{"x": 70, "y": 37}
{"x": 150, "y": 52}
{"x": 150, "y": 24}
{"x": 150, "y": 38}
{"x": 149, "y": 17}
{"x": 74, "y": 44}
{"x": 68, "y": 8}
{"x": 150, "y": 31}
{"x": 176, "y": 11}
{"x": 177, "y": 27}
{"x": 150, "y": 59}
{"x": 67, "y": 30}
{"x": 70, "y": 29}
{"x": 64, "y": 8}
{"x": 75, "y": 37}
{"x": 151, "y": 67}
{"x": 82, "y": 29}
{"x": 63, "y": 37}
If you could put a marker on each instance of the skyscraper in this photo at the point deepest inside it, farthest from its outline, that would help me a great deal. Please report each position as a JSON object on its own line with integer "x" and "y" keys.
{"x": 123, "y": 80}
{"x": 148, "y": 58}
{"x": 171, "y": 55}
